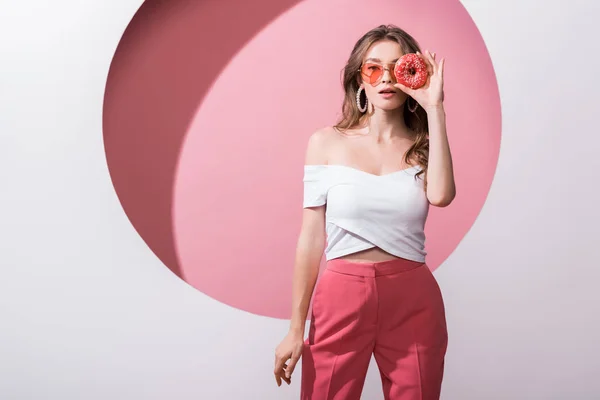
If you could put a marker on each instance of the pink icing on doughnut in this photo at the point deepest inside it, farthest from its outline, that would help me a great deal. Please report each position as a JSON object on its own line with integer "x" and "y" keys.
{"x": 411, "y": 71}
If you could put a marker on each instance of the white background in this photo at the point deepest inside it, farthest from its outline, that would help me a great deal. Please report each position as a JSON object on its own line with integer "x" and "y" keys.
{"x": 88, "y": 312}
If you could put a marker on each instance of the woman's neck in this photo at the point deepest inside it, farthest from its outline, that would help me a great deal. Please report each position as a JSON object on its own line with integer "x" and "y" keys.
{"x": 387, "y": 126}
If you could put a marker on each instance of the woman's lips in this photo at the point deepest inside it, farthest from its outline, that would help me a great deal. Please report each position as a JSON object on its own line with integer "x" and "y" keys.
{"x": 387, "y": 95}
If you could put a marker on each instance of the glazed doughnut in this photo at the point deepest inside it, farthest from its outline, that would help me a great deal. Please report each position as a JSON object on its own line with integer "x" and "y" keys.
{"x": 411, "y": 71}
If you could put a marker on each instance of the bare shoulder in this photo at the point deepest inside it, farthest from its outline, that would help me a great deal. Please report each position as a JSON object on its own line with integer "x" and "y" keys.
{"x": 319, "y": 145}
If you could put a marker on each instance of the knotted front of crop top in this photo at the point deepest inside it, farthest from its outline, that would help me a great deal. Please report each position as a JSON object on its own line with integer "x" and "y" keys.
{"x": 365, "y": 211}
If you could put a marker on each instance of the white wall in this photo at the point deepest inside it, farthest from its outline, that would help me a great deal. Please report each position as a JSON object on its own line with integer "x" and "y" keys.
{"x": 88, "y": 311}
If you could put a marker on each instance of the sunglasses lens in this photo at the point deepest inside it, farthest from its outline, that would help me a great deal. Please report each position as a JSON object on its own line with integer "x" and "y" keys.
{"x": 372, "y": 72}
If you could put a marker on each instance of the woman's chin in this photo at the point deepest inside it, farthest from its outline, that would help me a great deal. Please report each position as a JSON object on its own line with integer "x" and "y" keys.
{"x": 389, "y": 105}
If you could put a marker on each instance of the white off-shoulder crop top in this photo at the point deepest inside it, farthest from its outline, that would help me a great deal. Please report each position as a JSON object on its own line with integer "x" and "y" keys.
{"x": 365, "y": 211}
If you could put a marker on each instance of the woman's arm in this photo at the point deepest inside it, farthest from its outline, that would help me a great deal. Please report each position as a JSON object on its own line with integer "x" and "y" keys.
{"x": 309, "y": 252}
{"x": 441, "y": 188}
{"x": 311, "y": 242}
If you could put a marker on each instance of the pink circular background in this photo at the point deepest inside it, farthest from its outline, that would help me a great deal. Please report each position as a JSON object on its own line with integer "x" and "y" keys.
{"x": 205, "y": 131}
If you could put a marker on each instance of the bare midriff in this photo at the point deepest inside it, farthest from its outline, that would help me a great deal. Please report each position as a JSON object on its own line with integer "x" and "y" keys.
{"x": 370, "y": 255}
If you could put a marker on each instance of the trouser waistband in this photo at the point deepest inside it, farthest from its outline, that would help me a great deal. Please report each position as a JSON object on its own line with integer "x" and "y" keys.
{"x": 372, "y": 268}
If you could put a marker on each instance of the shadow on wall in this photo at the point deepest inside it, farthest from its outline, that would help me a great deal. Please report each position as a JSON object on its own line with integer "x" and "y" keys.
{"x": 155, "y": 85}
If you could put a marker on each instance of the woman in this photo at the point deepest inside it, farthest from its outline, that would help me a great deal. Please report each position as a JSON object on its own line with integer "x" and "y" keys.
{"x": 368, "y": 184}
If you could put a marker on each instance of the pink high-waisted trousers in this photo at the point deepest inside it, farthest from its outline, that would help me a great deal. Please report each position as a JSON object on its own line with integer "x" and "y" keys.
{"x": 390, "y": 309}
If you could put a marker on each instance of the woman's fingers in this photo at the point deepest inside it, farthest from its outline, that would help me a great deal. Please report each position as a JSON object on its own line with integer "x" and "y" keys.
{"x": 292, "y": 365}
{"x": 280, "y": 376}
{"x": 424, "y": 57}
{"x": 283, "y": 374}
{"x": 289, "y": 350}
{"x": 431, "y": 62}
{"x": 279, "y": 368}
{"x": 286, "y": 379}
{"x": 277, "y": 377}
